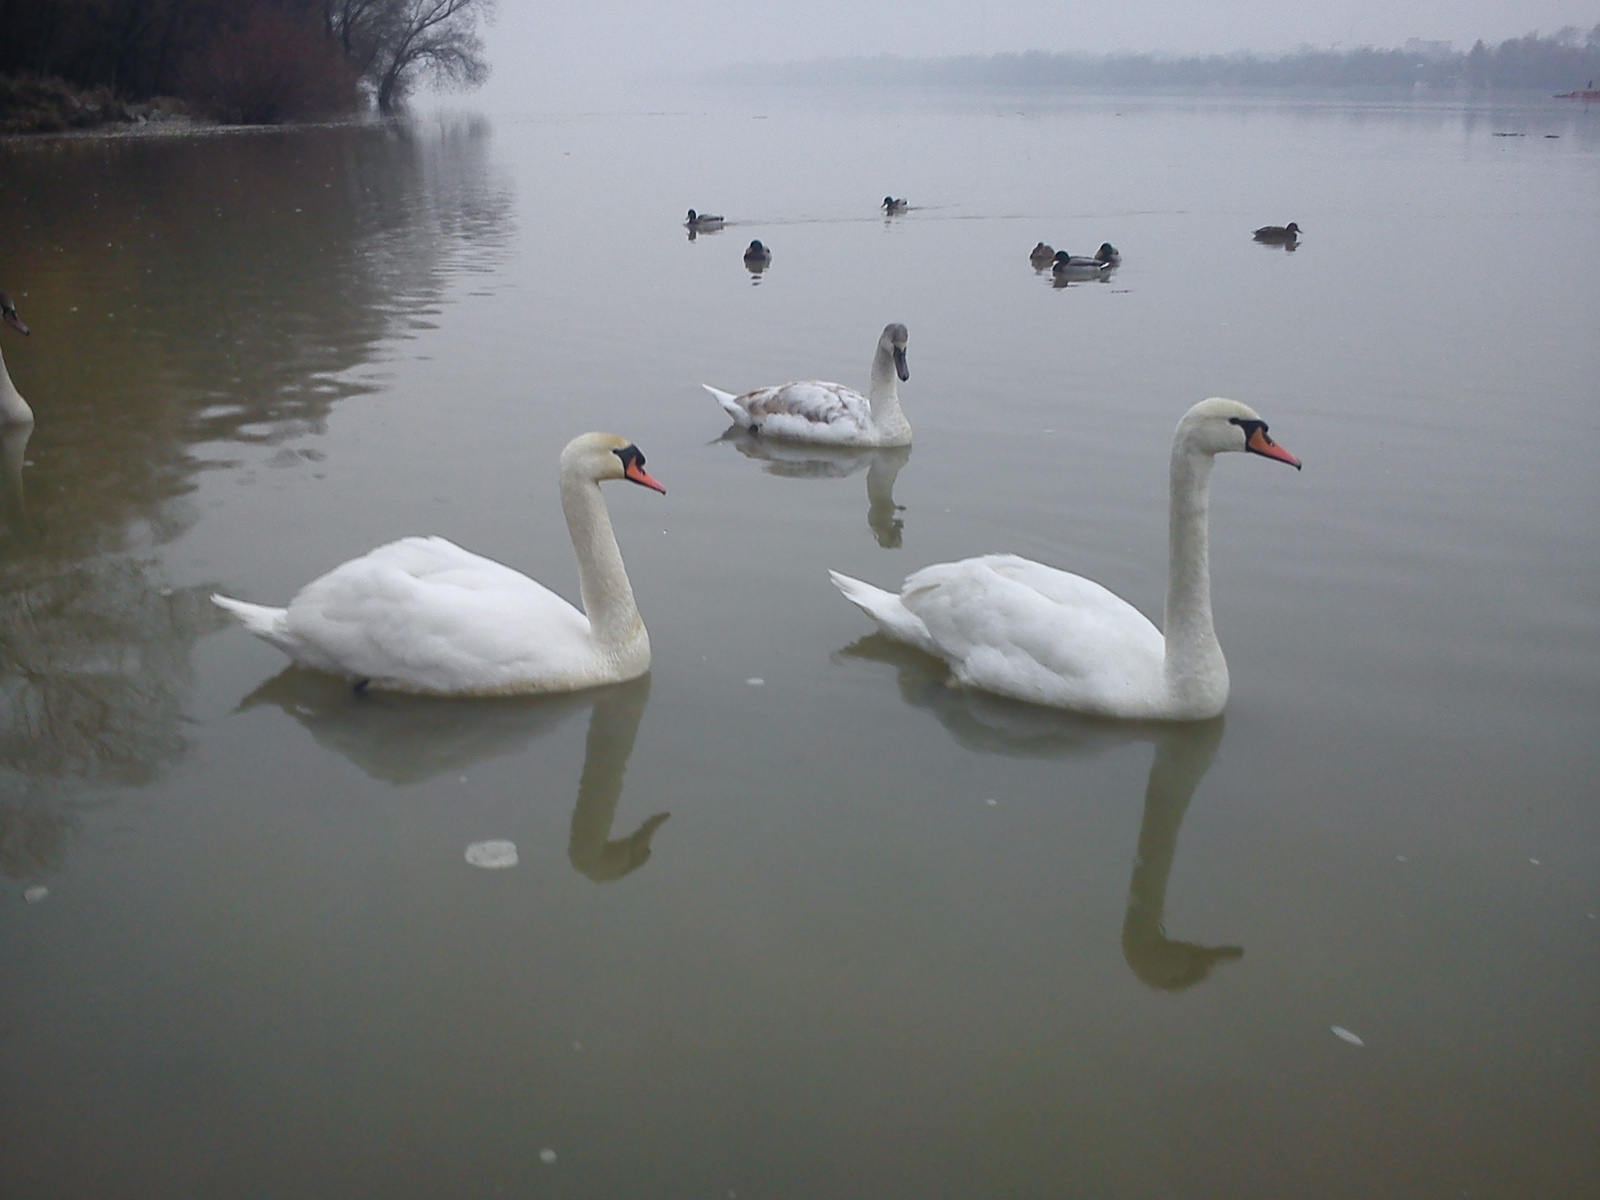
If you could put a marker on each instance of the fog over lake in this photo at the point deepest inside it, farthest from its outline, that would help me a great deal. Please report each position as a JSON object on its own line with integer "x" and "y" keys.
{"x": 895, "y": 939}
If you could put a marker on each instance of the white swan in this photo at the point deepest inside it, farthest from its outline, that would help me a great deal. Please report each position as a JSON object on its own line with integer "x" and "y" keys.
{"x": 14, "y": 409}
{"x": 1008, "y": 625}
{"x": 423, "y": 615}
{"x": 815, "y": 411}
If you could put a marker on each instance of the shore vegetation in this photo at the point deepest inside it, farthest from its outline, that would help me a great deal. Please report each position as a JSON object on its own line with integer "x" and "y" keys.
{"x": 72, "y": 64}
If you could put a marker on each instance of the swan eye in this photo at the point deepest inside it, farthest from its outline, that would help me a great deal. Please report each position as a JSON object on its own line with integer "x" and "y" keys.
{"x": 629, "y": 455}
{"x": 1252, "y": 427}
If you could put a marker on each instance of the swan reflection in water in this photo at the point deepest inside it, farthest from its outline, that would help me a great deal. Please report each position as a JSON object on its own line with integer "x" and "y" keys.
{"x": 15, "y": 523}
{"x": 803, "y": 460}
{"x": 989, "y": 724}
{"x": 402, "y": 739}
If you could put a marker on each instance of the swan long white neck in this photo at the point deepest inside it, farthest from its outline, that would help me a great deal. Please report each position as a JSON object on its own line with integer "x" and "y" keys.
{"x": 884, "y": 394}
{"x": 14, "y": 409}
{"x": 607, "y": 596}
{"x": 1196, "y": 673}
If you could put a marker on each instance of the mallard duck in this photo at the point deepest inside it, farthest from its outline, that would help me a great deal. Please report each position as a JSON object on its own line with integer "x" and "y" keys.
{"x": 1278, "y": 233}
{"x": 1076, "y": 266}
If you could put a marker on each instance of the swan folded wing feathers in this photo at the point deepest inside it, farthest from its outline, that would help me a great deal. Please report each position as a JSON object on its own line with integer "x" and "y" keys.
{"x": 998, "y": 621}
{"x": 811, "y": 409}
{"x": 444, "y": 614}
{"x": 812, "y": 399}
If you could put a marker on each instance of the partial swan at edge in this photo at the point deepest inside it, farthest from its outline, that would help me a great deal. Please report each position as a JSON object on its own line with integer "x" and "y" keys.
{"x": 14, "y": 409}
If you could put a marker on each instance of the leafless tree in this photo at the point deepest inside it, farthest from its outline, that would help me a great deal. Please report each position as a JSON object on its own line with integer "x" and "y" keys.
{"x": 358, "y": 27}
{"x": 437, "y": 38}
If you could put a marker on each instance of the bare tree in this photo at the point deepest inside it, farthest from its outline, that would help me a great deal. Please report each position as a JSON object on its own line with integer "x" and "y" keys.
{"x": 438, "y": 38}
{"x": 358, "y": 27}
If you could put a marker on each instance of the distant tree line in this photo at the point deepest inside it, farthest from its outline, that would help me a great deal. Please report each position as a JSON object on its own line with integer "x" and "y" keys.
{"x": 244, "y": 60}
{"x": 1563, "y": 61}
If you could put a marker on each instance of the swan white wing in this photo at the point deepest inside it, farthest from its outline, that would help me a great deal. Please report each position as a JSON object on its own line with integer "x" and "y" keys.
{"x": 810, "y": 410}
{"x": 424, "y": 614}
{"x": 1022, "y": 629}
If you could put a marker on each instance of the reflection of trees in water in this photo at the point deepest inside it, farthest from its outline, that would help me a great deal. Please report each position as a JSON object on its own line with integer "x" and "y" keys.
{"x": 1184, "y": 751}
{"x": 184, "y": 291}
{"x": 94, "y": 676}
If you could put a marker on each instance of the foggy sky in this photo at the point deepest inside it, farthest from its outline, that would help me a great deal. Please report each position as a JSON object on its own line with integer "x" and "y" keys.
{"x": 537, "y": 46}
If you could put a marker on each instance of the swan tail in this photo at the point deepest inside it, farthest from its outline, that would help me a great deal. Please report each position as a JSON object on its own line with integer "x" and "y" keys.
{"x": 730, "y": 404}
{"x": 886, "y": 611}
{"x": 268, "y": 624}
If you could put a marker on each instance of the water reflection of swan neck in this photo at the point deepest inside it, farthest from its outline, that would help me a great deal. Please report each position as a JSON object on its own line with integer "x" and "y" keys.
{"x": 14, "y": 409}
{"x": 613, "y": 727}
{"x": 882, "y": 511}
{"x": 803, "y": 460}
{"x": 1182, "y": 757}
{"x": 13, "y": 457}
{"x": 988, "y": 724}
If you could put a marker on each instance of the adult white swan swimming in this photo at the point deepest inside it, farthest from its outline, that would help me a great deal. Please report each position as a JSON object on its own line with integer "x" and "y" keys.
{"x": 813, "y": 410}
{"x": 1009, "y": 625}
{"x": 423, "y": 615}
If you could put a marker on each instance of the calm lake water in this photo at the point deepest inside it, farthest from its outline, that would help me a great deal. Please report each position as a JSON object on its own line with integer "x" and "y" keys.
{"x": 893, "y": 941}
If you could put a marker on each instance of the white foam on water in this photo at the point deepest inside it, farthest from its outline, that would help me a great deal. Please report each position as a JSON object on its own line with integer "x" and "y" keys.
{"x": 492, "y": 856}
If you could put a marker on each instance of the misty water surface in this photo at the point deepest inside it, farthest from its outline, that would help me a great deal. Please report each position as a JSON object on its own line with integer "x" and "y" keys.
{"x": 893, "y": 940}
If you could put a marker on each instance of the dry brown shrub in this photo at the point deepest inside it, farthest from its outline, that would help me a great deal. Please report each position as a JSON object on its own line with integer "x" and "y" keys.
{"x": 271, "y": 67}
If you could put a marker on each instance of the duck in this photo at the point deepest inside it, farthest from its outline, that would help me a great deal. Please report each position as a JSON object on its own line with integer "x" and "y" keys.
{"x": 1076, "y": 266}
{"x": 1018, "y": 628}
{"x": 703, "y": 220}
{"x": 14, "y": 409}
{"x": 424, "y": 616}
{"x": 1109, "y": 255}
{"x": 1041, "y": 256}
{"x": 757, "y": 256}
{"x": 1277, "y": 233}
{"x": 891, "y": 205}
{"x": 813, "y": 410}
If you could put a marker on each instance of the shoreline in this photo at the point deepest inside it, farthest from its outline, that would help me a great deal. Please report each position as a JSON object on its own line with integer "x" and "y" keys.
{"x": 185, "y": 126}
